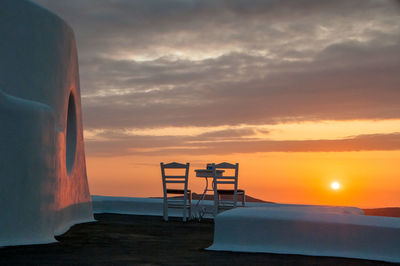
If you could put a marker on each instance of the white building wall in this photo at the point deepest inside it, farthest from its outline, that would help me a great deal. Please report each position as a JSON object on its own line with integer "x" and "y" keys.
{"x": 42, "y": 192}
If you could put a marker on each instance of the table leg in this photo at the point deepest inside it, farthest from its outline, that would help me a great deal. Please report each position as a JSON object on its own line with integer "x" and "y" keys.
{"x": 203, "y": 210}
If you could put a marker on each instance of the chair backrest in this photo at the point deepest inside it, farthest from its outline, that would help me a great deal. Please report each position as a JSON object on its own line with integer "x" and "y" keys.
{"x": 226, "y": 179}
{"x": 174, "y": 178}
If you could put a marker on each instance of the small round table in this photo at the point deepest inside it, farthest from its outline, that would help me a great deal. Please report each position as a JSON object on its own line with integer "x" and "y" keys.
{"x": 206, "y": 174}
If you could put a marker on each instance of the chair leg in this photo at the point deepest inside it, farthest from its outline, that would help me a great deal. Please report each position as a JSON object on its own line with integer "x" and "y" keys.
{"x": 184, "y": 207}
{"x": 216, "y": 202}
{"x": 190, "y": 206}
{"x": 184, "y": 213}
{"x": 165, "y": 209}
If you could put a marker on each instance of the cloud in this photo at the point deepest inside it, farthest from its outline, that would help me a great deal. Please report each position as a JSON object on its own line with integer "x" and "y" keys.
{"x": 116, "y": 142}
{"x": 156, "y": 145}
{"x": 206, "y": 63}
{"x": 234, "y": 89}
{"x": 228, "y": 134}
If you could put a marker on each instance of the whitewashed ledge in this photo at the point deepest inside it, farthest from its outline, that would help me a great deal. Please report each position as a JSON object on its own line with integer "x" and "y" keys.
{"x": 307, "y": 231}
{"x": 154, "y": 207}
{"x": 145, "y": 206}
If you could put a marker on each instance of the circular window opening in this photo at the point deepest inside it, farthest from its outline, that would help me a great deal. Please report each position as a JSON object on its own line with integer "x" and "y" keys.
{"x": 71, "y": 134}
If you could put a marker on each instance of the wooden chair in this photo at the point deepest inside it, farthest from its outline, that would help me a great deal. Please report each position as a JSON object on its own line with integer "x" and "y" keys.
{"x": 220, "y": 194}
{"x": 180, "y": 187}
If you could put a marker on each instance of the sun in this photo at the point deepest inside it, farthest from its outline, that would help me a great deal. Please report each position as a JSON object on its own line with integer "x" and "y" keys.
{"x": 335, "y": 185}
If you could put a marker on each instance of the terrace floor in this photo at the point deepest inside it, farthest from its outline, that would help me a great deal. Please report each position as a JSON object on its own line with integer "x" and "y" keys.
{"x": 147, "y": 240}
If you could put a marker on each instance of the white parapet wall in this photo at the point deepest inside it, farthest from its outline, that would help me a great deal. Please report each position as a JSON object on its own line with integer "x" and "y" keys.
{"x": 308, "y": 231}
{"x": 154, "y": 207}
{"x": 43, "y": 183}
{"x": 144, "y": 206}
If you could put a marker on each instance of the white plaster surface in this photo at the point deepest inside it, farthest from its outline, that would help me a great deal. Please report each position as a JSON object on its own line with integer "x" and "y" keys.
{"x": 308, "y": 231}
{"x": 38, "y": 74}
{"x": 140, "y": 206}
{"x": 153, "y": 206}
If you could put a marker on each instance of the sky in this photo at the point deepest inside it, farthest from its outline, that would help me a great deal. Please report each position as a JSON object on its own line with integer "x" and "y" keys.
{"x": 300, "y": 93}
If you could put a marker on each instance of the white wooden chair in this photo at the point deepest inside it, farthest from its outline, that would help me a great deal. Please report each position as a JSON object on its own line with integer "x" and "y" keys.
{"x": 221, "y": 192}
{"x": 176, "y": 185}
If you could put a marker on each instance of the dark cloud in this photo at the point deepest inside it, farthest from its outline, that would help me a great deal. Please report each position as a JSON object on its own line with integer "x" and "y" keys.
{"x": 119, "y": 142}
{"x": 228, "y": 133}
{"x": 219, "y": 91}
{"x": 153, "y": 145}
{"x": 104, "y": 26}
{"x": 229, "y": 62}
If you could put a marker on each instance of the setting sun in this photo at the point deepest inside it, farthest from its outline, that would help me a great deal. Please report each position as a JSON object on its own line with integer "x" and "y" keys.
{"x": 335, "y": 185}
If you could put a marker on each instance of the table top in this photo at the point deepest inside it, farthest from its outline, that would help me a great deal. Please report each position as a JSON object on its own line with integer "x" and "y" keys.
{"x": 207, "y": 172}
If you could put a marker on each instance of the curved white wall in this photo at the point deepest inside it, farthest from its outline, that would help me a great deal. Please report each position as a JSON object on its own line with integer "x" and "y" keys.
{"x": 43, "y": 183}
{"x": 308, "y": 230}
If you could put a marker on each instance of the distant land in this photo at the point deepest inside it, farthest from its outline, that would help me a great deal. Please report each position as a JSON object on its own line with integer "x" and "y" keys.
{"x": 390, "y": 212}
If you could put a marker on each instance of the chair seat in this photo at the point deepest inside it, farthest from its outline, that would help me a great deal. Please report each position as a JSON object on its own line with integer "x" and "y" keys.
{"x": 229, "y": 191}
{"x": 178, "y": 191}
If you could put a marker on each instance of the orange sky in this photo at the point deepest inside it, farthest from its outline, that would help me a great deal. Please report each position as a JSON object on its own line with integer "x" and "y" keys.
{"x": 367, "y": 178}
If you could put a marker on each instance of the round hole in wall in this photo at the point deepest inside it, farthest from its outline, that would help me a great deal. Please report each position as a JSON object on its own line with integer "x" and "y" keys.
{"x": 70, "y": 134}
